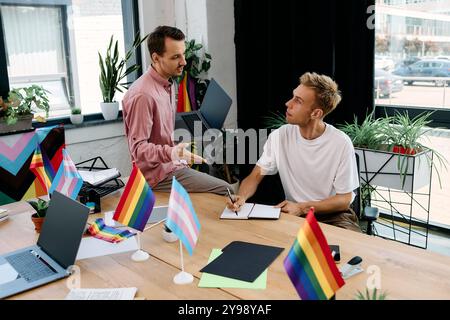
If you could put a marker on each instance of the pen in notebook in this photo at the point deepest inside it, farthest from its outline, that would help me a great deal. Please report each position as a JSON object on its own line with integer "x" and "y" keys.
{"x": 231, "y": 198}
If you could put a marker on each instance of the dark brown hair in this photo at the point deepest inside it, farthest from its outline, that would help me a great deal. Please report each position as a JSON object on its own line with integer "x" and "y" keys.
{"x": 156, "y": 39}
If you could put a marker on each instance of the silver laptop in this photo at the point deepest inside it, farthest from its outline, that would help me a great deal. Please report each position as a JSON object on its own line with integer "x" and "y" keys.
{"x": 54, "y": 253}
{"x": 212, "y": 113}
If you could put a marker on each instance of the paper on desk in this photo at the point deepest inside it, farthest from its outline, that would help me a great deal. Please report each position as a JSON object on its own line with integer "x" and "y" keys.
{"x": 214, "y": 281}
{"x": 242, "y": 214}
{"x": 91, "y": 247}
{"x": 102, "y": 294}
{"x": 265, "y": 212}
{"x": 7, "y": 273}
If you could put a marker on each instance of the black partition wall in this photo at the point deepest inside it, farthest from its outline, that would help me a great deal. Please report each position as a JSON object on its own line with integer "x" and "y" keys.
{"x": 277, "y": 41}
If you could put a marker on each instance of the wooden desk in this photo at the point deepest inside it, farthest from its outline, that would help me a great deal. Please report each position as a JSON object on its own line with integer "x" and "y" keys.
{"x": 406, "y": 272}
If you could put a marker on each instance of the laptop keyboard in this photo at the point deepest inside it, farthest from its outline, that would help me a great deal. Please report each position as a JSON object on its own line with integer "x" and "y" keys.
{"x": 190, "y": 119}
{"x": 30, "y": 267}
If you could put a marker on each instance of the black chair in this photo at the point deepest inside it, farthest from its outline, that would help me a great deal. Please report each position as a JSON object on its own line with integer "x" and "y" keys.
{"x": 368, "y": 214}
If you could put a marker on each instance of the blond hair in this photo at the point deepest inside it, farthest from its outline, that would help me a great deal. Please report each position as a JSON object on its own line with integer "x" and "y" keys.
{"x": 328, "y": 95}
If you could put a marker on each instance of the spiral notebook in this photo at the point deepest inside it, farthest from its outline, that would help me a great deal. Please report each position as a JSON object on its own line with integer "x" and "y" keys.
{"x": 252, "y": 211}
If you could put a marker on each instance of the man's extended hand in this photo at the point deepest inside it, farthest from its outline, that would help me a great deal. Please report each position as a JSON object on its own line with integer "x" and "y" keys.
{"x": 181, "y": 153}
{"x": 296, "y": 209}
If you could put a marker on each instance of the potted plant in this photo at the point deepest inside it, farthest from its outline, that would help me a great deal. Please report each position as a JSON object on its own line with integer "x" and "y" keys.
{"x": 75, "y": 116}
{"x": 191, "y": 80}
{"x": 112, "y": 71}
{"x": 16, "y": 112}
{"x": 391, "y": 152}
{"x": 41, "y": 207}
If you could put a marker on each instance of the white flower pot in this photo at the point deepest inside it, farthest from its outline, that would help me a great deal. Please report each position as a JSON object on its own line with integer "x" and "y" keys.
{"x": 76, "y": 118}
{"x": 381, "y": 168}
{"x": 110, "y": 110}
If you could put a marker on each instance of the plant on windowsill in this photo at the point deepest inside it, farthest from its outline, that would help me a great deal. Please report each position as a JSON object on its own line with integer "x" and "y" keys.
{"x": 391, "y": 152}
{"x": 16, "y": 112}
{"x": 75, "y": 116}
{"x": 112, "y": 71}
{"x": 192, "y": 83}
{"x": 40, "y": 206}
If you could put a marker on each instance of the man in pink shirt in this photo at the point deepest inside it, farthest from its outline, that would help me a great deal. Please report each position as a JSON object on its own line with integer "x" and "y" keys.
{"x": 149, "y": 117}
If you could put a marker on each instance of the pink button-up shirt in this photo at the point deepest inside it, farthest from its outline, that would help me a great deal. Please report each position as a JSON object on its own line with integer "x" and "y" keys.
{"x": 149, "y": 118}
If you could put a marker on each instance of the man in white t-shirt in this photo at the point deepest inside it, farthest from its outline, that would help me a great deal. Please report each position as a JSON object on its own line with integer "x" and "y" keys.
{"x": 316, "y": 162}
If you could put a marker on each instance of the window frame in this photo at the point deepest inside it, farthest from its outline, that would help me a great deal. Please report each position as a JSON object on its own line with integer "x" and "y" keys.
{"x": 130, "y": 19}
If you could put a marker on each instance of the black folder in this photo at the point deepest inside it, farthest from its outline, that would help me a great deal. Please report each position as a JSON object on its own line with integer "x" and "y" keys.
{"x": 243, "y": 261}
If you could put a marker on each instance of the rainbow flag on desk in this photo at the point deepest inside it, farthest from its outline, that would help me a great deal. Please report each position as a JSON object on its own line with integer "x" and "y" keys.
{"x": 101, "y": 231}
{"x": 309, "y": 264}
{"x": 136, "y": 203}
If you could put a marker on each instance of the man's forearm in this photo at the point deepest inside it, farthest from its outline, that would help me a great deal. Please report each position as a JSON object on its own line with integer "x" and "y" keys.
{"x": 333, "y": 204}
{"x": 248, "y": 187}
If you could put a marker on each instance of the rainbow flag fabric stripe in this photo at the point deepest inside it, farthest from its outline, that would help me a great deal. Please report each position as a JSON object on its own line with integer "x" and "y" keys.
{"x": 42, "y": 169}
{"x": 181, "y": 217}
{"x": 136, "y": 203}
{"x": 309, "y": 264}
{"x": 101, "y": 231}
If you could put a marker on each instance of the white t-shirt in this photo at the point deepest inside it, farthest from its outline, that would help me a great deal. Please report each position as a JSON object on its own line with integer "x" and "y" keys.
{"x": 311, "y": 170}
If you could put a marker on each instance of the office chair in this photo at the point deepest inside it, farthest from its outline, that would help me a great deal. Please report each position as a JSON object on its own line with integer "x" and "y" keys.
{"x": 368, "y": 214}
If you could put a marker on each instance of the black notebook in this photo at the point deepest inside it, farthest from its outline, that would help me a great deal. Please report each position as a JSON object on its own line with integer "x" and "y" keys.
{"x": 243, "y": 260}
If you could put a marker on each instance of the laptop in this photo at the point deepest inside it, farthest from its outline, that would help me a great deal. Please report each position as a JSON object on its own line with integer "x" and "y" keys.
{"x": 54, "y": 253}
{"x": 212, "y": 113}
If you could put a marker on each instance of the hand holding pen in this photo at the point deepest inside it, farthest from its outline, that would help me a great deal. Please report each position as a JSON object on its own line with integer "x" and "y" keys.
{"x": 231, "y": 199}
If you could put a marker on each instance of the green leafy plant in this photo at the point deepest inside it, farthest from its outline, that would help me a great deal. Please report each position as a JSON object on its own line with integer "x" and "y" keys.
{"x": 75, "y": 111}
{"x": 274, "y": 120}
{"x": 24, "y": 101}
{"x": 371, "y": 295}
{"x": 40, "y": 206}
{"x": 197, "y": 64}
{"x": 405, "y": 135}
{"x": 114, "y": 69}
{"x": 370, "y": 134}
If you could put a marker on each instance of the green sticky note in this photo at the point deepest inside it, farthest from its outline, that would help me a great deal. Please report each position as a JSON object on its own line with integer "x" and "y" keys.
{"x": 209, "y": 280}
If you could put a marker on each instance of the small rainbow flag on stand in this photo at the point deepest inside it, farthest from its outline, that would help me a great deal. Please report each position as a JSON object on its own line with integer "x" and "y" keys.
{"x": 101, "y": 231}
{"x": 136, "y": 203}
{"x": 310, "y": 265}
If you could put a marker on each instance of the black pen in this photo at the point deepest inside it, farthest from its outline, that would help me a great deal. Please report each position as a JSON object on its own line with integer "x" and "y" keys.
{"x": 229, "y": 195}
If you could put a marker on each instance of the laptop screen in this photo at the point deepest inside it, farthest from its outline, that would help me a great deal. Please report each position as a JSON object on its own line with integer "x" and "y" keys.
{"x": 215, "y": 105}
{"x": 62, "y": 229}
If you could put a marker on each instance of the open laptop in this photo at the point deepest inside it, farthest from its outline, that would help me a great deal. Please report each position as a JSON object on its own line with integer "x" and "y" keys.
{"x": 212, "y": 113}
{"x": 54, "y": 253}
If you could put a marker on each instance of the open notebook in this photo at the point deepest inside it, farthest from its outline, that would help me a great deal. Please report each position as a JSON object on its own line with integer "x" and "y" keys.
{"x": 252, "y": 211}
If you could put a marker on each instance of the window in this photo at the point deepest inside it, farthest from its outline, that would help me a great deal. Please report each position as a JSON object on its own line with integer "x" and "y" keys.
{"x": 55, "y": 43}
{"x": 412, "y": 43}
{"x": 413, "y": 46}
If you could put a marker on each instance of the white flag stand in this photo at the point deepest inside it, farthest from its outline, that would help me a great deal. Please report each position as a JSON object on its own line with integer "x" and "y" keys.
{"x": 182, "y": 277}
{"x": 140, "y": 255}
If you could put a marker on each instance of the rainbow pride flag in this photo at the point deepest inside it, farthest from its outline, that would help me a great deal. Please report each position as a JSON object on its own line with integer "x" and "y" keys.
{"x": 309, "y": 264}
{"x": 136, "y": 203}
{"x": 42, "y": 169}
{"x": 101, "y": 231}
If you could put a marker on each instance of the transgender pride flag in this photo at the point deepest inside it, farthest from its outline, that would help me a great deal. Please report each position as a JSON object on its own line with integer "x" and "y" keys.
{"x": 67, "y": 180}
{"x": 181, "y": 217}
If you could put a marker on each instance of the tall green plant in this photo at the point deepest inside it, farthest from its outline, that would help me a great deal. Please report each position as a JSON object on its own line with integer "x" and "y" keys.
{"x": 409, "y": 134}
{"x": 370, "y": 134}
{"x": 114, "y": 69}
